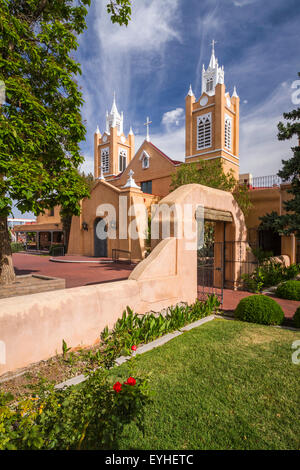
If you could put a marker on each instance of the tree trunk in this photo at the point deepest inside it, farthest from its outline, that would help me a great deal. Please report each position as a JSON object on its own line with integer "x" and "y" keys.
{"x": 66, "y": 222}
{"x": 7, "y": 273}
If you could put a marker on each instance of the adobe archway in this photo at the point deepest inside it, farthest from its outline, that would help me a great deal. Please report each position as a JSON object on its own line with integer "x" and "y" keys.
{"x": 219, "y": 206}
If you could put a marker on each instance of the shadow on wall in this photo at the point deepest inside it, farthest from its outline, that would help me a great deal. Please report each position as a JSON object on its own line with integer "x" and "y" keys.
{"x": 33, "y": 327}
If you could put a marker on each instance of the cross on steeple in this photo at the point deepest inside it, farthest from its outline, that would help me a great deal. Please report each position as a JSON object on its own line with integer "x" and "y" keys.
{"x": 213, "y": 45}
{"x": 147, "y": 123}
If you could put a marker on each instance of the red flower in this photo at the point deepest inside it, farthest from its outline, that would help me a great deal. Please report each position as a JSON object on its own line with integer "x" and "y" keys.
{"x": 133, "y": 347}
{"x": 117, "y": 387}
{"x": 130, "y": 381}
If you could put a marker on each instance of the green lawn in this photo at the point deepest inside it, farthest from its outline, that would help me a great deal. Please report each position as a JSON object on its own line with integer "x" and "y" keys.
{"x": 224, "y": 385}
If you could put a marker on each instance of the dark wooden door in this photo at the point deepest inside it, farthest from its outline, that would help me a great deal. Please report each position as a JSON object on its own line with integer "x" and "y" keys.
{"x": 100, "y": 243}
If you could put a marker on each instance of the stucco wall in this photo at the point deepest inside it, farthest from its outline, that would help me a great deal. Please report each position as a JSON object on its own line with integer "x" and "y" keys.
{"x": 33, "y": 327}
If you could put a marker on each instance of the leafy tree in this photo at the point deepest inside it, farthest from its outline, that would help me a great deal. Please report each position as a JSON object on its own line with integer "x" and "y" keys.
{"x": 120, "y": 11}
{"x": 40, "y": 121}
{"x": 211, "y": 173}
{"x": 288, "y": 223}
{"x": 66, "y": 214}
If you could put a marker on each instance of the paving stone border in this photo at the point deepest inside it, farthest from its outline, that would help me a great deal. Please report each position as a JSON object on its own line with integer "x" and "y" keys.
{"x": 159, "y": 342}
{"x": 145, "y": 348}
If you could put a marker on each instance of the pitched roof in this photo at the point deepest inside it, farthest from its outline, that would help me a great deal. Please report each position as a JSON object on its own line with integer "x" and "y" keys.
{"x": 175, "y": 162}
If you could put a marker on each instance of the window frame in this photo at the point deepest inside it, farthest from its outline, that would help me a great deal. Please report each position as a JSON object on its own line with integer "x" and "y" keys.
{"x": 105, "y": 163}
{"x": 123, "y": 156}
{"x": 206, "y": 136}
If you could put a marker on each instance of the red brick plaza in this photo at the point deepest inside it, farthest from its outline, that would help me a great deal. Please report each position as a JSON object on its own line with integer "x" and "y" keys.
{"x": 85, "y": 274}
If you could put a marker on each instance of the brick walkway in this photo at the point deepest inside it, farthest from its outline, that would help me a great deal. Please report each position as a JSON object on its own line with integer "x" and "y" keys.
{"x": 232, "y": 298}
{"x": 85, "y": 274}
{"x": 81, "y": 274}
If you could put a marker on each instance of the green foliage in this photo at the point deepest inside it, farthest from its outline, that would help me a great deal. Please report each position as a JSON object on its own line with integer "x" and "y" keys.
{"x": 211, "y": 173}
{"x": 120, "y": 11}
{"x": 40, "y": 122}
{"x": 269, "y": 274}
{"x": 15, "y": 247}
{"x": 296, "y": 318}
{"x": 259, "y": 309}
{"x": 290, "y": 222}
{"x": 254, "y": 282}
{"x": 133, "y": 329}
{"x": 89, "y": 416}
{"x": 261, "y": 255}
{"x": 65, "y": 348}
{"x": 289, "y": 290}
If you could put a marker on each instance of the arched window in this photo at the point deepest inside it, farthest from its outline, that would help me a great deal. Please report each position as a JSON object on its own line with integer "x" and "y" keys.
{"x": 209, "y": 84}
{"x": 105, "y": 159}
{"x": 228, "y": 124}
{"x": 145, "y": 162}
{"x": 122, "y": 159}
{"x": 204, "y": 134}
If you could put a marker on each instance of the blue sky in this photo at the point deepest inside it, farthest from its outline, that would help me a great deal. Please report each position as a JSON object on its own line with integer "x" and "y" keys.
{"x": 151, "y": 63}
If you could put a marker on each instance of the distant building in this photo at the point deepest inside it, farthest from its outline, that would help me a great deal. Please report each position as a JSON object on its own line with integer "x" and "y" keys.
{"x": 16, "y": 221}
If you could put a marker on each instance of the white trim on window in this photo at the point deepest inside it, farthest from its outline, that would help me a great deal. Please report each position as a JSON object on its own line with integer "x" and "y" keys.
{"x": 122, "y": 159}
{"x": 145, "y": 159}
{"x": 228, "y": 131}
{"x": 204, "y": 131}
{"x": 105, "y": 159}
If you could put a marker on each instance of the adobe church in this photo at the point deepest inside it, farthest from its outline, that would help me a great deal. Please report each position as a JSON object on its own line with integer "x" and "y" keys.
{"x": 144, "y": 177}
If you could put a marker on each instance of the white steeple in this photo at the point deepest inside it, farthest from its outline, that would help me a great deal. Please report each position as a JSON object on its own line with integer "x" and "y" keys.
{"x": 130, "y": 131}
{"x": 114, "y": 119}
{"x": 235, "y": 95}
{"x": 190, "y": 93}
{"x": 213, "y": 75}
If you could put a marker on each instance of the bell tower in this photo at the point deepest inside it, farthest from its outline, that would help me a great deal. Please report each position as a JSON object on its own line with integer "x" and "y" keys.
{"x": 112, "y": 150}
{"x": 212, "y": 121}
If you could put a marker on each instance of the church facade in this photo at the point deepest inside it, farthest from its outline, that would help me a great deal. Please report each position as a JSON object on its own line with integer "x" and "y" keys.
{"x": 144, "y": 177}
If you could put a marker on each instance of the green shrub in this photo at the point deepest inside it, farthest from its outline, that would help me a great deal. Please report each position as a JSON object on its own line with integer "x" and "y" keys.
{"x": 259, "y": 309}
{"x": 15, "y": 247}
{"x": 296, "y": 318}
{"x": 289, "y": 290}
{"x": 269, "y": 274}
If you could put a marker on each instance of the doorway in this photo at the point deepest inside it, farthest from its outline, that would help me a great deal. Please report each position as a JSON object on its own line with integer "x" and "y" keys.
{"x": 100, "y": 243}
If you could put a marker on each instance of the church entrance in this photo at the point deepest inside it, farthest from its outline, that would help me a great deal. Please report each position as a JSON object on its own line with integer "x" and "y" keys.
{"x": 100, "y": 243}
{"x": 210, "y": 264}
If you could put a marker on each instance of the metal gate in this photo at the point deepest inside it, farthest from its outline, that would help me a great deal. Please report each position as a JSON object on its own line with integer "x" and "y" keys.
{"x": 210, "y": 271}
{"x": 222, "y": 265}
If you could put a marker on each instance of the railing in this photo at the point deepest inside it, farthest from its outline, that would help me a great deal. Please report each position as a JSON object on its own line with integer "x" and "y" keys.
{"x": 266, "y": 181}
{"x": 269, "y": 181}
{"x": 117, "y": 258}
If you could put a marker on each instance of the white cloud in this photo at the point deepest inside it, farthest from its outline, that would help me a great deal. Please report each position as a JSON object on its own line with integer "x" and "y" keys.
{"x": 173, "y": 118}
{"x": 242, "y": 3}
{"x": 128, "y": 54}
{"x": 260, "y": 150}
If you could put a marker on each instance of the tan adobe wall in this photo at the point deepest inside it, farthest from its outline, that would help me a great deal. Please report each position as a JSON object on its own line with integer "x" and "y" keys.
{"x": 159, "y": 171}
{"x": 47, "y": 219}
{"x": 33, "y": 328}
